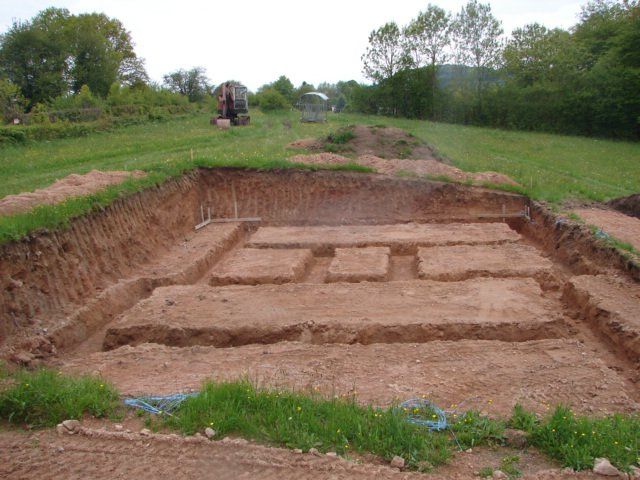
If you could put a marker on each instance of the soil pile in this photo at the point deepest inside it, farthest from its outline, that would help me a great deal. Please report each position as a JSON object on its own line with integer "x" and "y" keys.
{"x": 384, "y": 142}
{"x": 388, "y": 150}
{"x": 628, "y": 205}
{"x": 71, "y": 186}
{"x": 398, "y": 166}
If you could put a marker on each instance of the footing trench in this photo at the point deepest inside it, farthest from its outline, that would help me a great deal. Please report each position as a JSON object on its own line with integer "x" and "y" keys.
{"x": 337, "y": 282}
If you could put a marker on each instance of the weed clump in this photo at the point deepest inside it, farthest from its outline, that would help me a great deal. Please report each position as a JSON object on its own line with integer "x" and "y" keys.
{"x": 341, "y": 136}
{"x": 577, "y": 440}
{"x": 43, "y": 398}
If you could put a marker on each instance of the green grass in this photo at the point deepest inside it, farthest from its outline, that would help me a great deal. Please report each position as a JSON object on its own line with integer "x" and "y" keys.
{"x": 549, "y": 167}
{"x": 44, "y": 398}
{"x": 577, "y": 440}
{"x": 341, "y": 136}
{"x": 297, "y": 420}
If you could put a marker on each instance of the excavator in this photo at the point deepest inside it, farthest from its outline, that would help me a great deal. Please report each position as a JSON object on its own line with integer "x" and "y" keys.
{"x": 233, "y": 105}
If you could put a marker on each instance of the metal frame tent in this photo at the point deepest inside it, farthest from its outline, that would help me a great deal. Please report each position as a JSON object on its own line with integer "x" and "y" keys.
{"x": 313, "y": 107}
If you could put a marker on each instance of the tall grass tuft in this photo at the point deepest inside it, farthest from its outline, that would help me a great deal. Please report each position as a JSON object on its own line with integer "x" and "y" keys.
{"x": 43, "y": 398}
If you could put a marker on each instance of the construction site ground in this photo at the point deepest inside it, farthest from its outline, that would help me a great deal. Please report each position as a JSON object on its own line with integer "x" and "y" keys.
{"x": 473, "y": 314}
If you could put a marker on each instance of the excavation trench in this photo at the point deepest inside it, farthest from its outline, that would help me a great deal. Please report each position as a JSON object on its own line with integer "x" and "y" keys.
{"x": 327, "y": 257}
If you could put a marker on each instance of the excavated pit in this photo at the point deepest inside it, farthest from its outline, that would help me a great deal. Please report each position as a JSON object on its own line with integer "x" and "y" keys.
{"x": 393, "y": 286}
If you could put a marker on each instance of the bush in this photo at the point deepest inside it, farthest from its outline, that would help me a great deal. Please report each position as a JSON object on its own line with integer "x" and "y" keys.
{"x": 12, "y": 135}
{"x": 271, "y": 100}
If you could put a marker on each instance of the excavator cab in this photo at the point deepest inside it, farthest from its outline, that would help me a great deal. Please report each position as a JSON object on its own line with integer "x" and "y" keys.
{"x": 233, "y": 105}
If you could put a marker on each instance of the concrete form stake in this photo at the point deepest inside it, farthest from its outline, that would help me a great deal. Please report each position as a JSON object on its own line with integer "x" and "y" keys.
{"x": 235, "y": 201}
{"x": 204, "y": 222}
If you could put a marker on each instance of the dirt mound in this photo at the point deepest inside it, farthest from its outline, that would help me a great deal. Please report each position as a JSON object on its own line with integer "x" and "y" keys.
{"x": 384, "y": 142}
{"x": 388, "y": 142}
{"x": 401, "y": 166}
{"x": 628, "y": 205}
{"x": 71, "y": 186}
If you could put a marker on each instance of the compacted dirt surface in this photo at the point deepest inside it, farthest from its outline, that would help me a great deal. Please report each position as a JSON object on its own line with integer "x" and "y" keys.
{"x": 471, "y": 314}
{"x": 621, "y": 226}
{"x": 104, "y": 454}
{"x": 73, "y": 185}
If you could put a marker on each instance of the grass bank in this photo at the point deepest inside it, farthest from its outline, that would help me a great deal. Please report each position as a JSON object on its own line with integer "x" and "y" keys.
{"x": 549, "y": 167}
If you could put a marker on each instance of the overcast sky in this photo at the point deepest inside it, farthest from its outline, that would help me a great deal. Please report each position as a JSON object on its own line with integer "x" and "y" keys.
{"x": 256, "y": 41}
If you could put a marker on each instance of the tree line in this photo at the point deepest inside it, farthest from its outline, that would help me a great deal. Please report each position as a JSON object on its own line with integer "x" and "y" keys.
{"x": 57, "y": 63}
{"x": 444, "y": 66}
{"x": 460, "y": 68}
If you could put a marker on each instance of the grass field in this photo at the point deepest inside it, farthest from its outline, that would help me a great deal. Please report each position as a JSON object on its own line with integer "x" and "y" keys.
{"x": 550, "y": 167}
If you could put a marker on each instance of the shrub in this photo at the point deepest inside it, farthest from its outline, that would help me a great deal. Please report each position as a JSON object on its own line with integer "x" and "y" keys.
{"x": 270, "y": 100}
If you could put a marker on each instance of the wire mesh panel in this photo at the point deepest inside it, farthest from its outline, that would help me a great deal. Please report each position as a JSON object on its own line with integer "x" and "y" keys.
{"x": 313, "y": 107}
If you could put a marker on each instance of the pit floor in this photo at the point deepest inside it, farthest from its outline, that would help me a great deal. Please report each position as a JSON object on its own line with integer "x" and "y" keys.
{"x": 494, "y": 334}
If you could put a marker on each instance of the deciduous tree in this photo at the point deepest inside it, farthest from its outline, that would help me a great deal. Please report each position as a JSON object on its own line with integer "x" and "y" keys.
{"x": 385, "y": 54}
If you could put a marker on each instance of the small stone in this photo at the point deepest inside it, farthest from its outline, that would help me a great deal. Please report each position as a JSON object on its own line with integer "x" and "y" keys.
{"x": 71, "y": 425}
{"x": 469, "y": 450}
{"x": 60, "y": 430}
{"x": 297, "y": 450}
{"x": 397, "y": 462}
{"x": 198, "y": 435}
{"x": 332, "y": 454}
{"x": 314, "y": 451}
{"x": 499, "y": 474}
{"x": 145, "y": 432}
{"x": 118, "y": 427}
{"x": 60, "y": 449}
{"x": 602, "y": 466}
{"x": 209, "y": 433}
{"x": 515, "y": 438}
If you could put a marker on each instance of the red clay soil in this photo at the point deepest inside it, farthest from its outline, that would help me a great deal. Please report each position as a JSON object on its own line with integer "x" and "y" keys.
{"x": 412, "y": 311}
{"x": 612, "y": 306}
{"x": 71, "y": 186}
{"x": 422, "y": 167}
{"x": 490, "y": 376}
{"x": 184, "y": 263}
{"x": 100, "y": 452}
{"x": 359, "y": 264}
{"x": 621, "y": 226}
{"x": 460, "y": 262}
{"x": 254, "y": 266}
{"x": 400, "y": 238}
